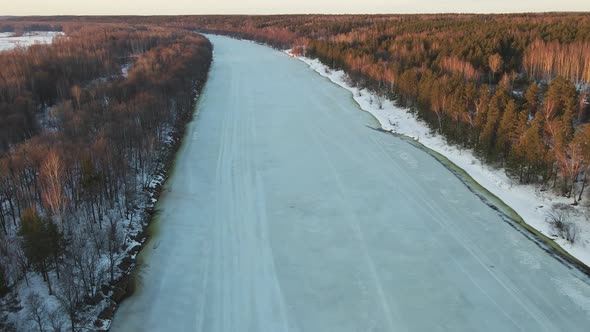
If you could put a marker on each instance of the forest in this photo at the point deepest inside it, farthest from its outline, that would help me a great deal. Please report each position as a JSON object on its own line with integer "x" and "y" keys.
{"x": 86, "y": 126}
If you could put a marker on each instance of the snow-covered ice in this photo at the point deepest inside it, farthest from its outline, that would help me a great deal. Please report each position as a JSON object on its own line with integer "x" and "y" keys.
{"x": 9, "y": 41}
{"x": 288, "y": 212}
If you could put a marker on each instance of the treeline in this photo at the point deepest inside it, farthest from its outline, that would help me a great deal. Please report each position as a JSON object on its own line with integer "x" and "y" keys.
{"x": 20, "y": 28}
{"x": 84, "y": 124}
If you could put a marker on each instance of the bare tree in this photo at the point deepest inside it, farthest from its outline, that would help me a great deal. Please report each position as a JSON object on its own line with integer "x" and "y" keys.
{"x": 55, "y": 320}
{"x": 114, "y": 240}
{"x": 380, "y": 96}
{"x": 36, "y": 309}
{"x": 559, "y": 219}
{"x": 69, "y": 295}
{"x": 86, "y": 259}
{"x": 54, "y": 197}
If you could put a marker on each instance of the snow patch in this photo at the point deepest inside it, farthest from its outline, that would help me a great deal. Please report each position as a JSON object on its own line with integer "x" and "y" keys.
{"x": 572, "y": 289}
{"x": 125, "y": 70}
{"x": 9, "y": 41}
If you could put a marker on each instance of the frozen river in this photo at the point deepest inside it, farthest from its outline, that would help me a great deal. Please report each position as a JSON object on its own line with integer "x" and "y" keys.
{"x": 286, "y": 212}
{"x": 8, "y": 41}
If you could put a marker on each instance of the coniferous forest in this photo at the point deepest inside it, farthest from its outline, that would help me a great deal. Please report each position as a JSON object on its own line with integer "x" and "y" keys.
{"x": 85, "y": 122}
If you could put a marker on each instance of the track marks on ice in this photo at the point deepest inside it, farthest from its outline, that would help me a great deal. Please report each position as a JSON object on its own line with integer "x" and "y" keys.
{"x": 247, "y": 294}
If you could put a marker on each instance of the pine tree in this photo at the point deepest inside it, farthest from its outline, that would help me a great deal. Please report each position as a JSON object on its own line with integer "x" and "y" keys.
{"x": 488, "y": 135}
{"x": 582, "y": 139}
{"x": 515, "y": 159}
{"x": 531, "y": 98}
{"x": 41, "y": 241}
{"x": 561, "y": 97}
{"x": 507, "y": 133}
{"x": 532, "y": 151}
{"x": 481, "y": 112}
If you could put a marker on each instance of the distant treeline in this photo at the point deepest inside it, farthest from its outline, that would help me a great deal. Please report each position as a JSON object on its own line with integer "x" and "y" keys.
{"x": 22, "y": 28}
{"x": 82, "y": 125}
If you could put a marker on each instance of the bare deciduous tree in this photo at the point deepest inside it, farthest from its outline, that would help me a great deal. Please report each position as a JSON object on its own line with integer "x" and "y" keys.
{"x": 114, "y": 240}
{"x": 559, "y": 219}
{"x": 36, "y": 309}
{"x": 55, "y": 319}
{"x": 69, "y": 295}
{"x": 51, "y": 173}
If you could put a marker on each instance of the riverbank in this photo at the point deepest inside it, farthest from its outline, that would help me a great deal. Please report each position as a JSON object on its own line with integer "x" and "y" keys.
{"x": 125, "y": 285}
{"x": 530, "y": 203}
{"x": 96, "y": 313}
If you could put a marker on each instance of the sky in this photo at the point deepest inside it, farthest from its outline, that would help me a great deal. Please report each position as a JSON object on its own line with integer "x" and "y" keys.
{"x": 174, "y": 7}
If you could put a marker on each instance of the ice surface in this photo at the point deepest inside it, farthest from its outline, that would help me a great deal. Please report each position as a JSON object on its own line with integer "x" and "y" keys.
{"x": 287, "y": 212}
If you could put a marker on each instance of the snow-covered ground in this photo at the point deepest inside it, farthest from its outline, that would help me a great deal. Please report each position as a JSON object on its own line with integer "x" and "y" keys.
{"x": 528, "y": 201}
{"x": 8, "y": 41}
{"x": 285, "y": 211}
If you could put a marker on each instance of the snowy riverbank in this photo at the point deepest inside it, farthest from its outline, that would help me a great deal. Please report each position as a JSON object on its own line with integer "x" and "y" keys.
{"x": 528, "y": 201}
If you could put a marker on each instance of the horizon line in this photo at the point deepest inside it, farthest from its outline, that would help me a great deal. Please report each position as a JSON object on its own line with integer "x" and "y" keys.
{"x": 299, "y": 14}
